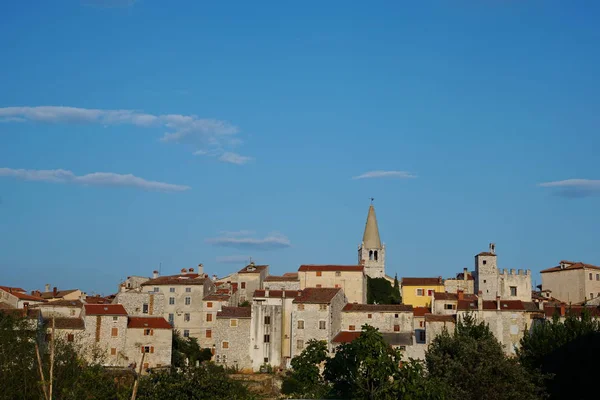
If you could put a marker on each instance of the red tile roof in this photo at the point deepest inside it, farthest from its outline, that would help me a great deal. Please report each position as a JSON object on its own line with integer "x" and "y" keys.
{"x": 575, "y": 310}
{"x": 148, "y": 322}
{"x": 572, "y": 266}
{"x": 62, "y": 303}
{"x": 183, "y": 279}
{"x": 346, "y": 337}
{"x": 331, "y": 268}
{"x": 491, "y": 305}
{"x": 252, "y": 269}
{"x": 354, "y": 307}
{"x": 97, "y": 300}
{"x": 288, "y": 278}
{"x": 276, "y": 293}
{"x": 235, "y": 312}
{"x": 317, "y": 295}
{"x": 65, "y": 323}
{"x": 217, "y": 297}
{"x": 59, "y": 294}
{"x": 21, "y": 294}
{"x": 16, "y": 289}
{"x": 105, "y": 309}
{"x": 420, "y": 311}
{"x": 452, "y": 296}
{"x": 422, "y": 281}
{"x": 439, "y": 318}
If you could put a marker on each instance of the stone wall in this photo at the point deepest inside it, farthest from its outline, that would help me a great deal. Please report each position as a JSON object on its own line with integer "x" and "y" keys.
{"x": 98, "y": 332}
{"x": 237, "y": 353}
{"x": 354, "y": 283}
{"x": 384, "y": 321}
{"x": 159, "y": 344}
{"x": 136, "y": 302}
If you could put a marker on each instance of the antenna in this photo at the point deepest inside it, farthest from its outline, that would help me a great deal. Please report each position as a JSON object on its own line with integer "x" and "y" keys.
{"x": 372, "y": 199}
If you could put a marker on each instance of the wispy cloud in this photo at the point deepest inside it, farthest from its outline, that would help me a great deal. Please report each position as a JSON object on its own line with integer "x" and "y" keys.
{"x": 232, "y": 259}
{"x": 93, "y": 179}
{"x": 217, "y": 135}
{"x": 385, "y": 174}
{"x": 574, "y": 187}
{"x": 272, "y": 241}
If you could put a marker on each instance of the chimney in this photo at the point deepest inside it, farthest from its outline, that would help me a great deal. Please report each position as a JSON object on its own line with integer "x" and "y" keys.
{"x": 54, "y": 291}
{"x": 191, "y": 270}
{"x": 283, "y": 293}
{"x": 460, "y": 294}
{"x": 214, "y": 277}
{"x": 201, "y": 269}
{"x": 266, "y": 292}
{"x": 480, "y": 301}
{"x": 183, "y": 271}
{"x": 492, "y": 248}
{"x": 47, "y": 287}
{"x": 122, "y": 288}
{"x": 83, "y": 296}
{"x": 497, "y": 302}
{"x": 465, "y": 274}
{"x": 154, "y": 274}
{"x": 562, "y": 310}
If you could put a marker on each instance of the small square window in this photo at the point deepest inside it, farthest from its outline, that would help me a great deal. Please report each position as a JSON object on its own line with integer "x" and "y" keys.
{"x": 369, "y": 315}
{"x": 396, "y": 328}
{"x": 145, "y": 308}
{"x": 419, "y": 292}
{"x": 188, "y": 301}
{"x": 299, "y": 344}
{"x": 319, "y": 273}
{"x": 322, "y": 307}
{"x": 233, "y": 322}
{"x": 155, "y": 290}
{"x": 430, "y": 292}
{"x": 484, "y": 262}
{"x": 171, "y": 300}
{"x": 322, "y": 325}
{"x": 266, "y": 359}
{"x": 186, "y": 333}
{"x": 113, "y": 351}
{"x": 352, "y": 328}
{"x": 186, "y": 317}
{"x": 172, "y": 290}
{"x": 513, "y": 290}
{"x": 208, "y": 317}
{"x": 243, "y": 285}
{"x": 318, "y": 285}
{"x": 188, "y": 289}
{"x": 70, "y": 337}
{"x": 338, "y": 273}
{"x": 395, "y": 315}
{"x": 209, "y": 304}
{"x": 267, "y": 319}
{"x": 225, "y": 345}
{"x": 208, "y": 333}
{"x": 300, "y": 324}
{"x": 300, "y": 307}
{"x": 115, "y": 319}
{"x": 148, "y": 332}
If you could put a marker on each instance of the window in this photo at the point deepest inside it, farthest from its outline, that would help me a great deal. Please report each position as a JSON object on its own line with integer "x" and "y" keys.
{"x": 449, "y": 306}
{"x": 188, "y": 301}
{"x": 171, "y": 318}
{"x": 233, "y": 322}
{"x": 267, "y": 339}
{"x": 147, "y": 349}
{"x": 186, "y": 333}
{"x": 513, "y": 290}
{"x": 114, "y": 332}
{"x": 172, "y": 290}
{"x": 72, "y": 313}
{"x": 225, "y": 345}
{"x": 429, "y": 292}
{"x": 322, "y": 325}
{"x": 371, "y": 255}
{"x": 338, "y": 273}
{"x": 148, "y": 332}
{"x": 396, "y": 328}
{"x": 209, "y": 304}
{"x": 266, "y": 359}
{"x": 319, "y": 273}
{"x": 243, "y": 285}
{"x": 155, "y": 289}
{"x": 300, "y": 307}
{"x": 422, "y": 336}
{"x": 188, "y": 289}
{"x": 375, "y": 255}
{"x": 171, "y": 300}
{"x": 337, "y": 286}
{"x": 352, "y": 328}
{"x": 208, "y": 317}
{"x": 419, "y": 292}
{"x": 322, "y": 307}
{"x": 145, "y": 308}
{"x": 115, "y": 319}
{"x": 421, "y": 324}
{"x": 484, "y": 262}
{"x": 318, "y": 285}
{"x": 300, "y": 324}
{"x": 395, "y": 315}
{"x": 369, "y": 315}
{"x": 267, "y": 320}
{"x": 484, "y": 281}
{"x": 208, "y": 333}
{"x": 113, "y": 351}
{"x": 591, "y": 295}
{"x": 186, "y": 317}
{"x": 598, "y": 277}
{"x": 299, "y": 344}
{"x": 70, "y": 337}
{"x": 590, "y": 276}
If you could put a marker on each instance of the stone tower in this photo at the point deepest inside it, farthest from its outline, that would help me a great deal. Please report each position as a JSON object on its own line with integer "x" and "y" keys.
{"x": 486, "y": 274}
{"x": 371, "y": 253}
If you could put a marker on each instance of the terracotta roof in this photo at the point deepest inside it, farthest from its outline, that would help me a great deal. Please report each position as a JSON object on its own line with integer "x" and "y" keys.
{"x": 105, "y": 309}
{"x": 97, "y": 300}
{"x": 439, "y": 318}
{"x": 461, "y": 276}
{"x": 575, "y": 310}
{"x": 452, "y": 296}
{"x": 317, "y": 295}
{"x": 276, "y": 293}
{"x": 354, "y": 307}
{"x": 21, "y": 294}
{"x": 235, "y": 312}
{"x": 274, "y": 278}
{"x": 252, "y": 269}
{"x": 422, "y": 281}
{"x": 183, "y": 279}
{"x": 331, "y": 268}
{"x": 62, "y": 303}
{"x": 148, "y": 322}
{"x": 576, "y": 265}
{"x": 65, "y": 323}
{"x": 420, "y": 311}
{"x": 391, "y": 338}
{"x": 59, "y": 294}
{"x": 217, "y": 297}
{"x": 491, "y": 305}
{"x": 486, "y": 253}
{"x": 290, "y": 274}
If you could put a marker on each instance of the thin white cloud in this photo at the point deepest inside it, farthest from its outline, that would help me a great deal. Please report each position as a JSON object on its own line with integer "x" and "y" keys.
{"x": 232, "y": 259}
{"x": 234, "y": 158}
{"x": 212, "y": 133}
{"x": 93, "y": 179}
{"x": 385, "y": 174}
{"x": 272, "y": 241}
{"x": 574, "y": 187}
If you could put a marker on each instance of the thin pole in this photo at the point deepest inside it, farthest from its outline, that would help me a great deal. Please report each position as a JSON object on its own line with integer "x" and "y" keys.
{"x": 137, "y": 378}
{"x": 39, "y": 360}
{"x": 51, "y": 362}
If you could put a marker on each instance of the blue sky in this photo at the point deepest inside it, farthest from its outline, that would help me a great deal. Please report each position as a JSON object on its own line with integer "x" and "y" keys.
{"x": 135, "y": 133}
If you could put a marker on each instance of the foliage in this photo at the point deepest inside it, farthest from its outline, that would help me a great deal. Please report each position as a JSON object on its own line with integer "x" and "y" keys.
{"x": 207, "y": 381}
{"x": 244, "y": 303}
{"x": 305, "y": 378}
{"x": 380, "y": 291}
{"x": 412, "y": 383}
{"x": 187, "y": 351}
{"x": 471, "y": 364}
{"x": 566, "y": 353}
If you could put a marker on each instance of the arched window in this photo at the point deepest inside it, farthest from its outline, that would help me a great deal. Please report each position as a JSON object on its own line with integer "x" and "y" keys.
{"x": 375, "y": 255}
{"x": 370, "y": 254}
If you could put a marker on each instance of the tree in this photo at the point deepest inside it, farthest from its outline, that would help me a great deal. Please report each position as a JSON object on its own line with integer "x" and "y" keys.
{"x": 187, "y": 351}
{"x": 564, "y": 352}
{"x": 305, "y": 379}
{"x": 380, "y": 291}
{"x": 471, "y": 364}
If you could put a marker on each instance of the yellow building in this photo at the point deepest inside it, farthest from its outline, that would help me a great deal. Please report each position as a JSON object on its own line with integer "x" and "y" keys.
{"x": 418, "y": 292}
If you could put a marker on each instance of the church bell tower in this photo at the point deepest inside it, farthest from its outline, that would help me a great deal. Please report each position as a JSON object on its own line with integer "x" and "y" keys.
{"x": 371, "y": 253}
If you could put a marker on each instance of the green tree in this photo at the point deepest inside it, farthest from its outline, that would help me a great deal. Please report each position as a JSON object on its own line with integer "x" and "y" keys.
{"x": 471, "y": 364}
{"x": 563, "y": 352}
{"x": 380, "y": 291}
{"x": 305, "y": 379}
{"x": 187, "y": 351}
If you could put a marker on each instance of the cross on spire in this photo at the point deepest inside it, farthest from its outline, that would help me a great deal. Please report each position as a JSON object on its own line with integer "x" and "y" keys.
{"x": 372, "y": 199}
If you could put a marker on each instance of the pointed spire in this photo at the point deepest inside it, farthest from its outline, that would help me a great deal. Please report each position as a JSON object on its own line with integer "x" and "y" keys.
{"x": 371, "y": 237}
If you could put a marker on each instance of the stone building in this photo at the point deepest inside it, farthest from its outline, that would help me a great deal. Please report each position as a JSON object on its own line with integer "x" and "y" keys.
{"x": 232, "y": 336}
{"x": 17, "y": 297}
{"x": 491, "y": 282}
{"x": 135, "y": 282}
{"x": 183, "y": 296}
{"x": 55, "y": 294}
{"x": 152, "y": 336}
{"x": 249, "y": 279}
{"x": 211, "y": 305}
{"x": 141, "y": 302}
{"x": 385, "y": 317}
{"x": 371, "y": 253}
{"x": 350, "y": 278}
{"x": 106, "y": 332}
{"x": 464, "y": 281}
{"x": 447, "y": 303}
{"x": 316, "y": 315}
{"x": 418, "y": 292}
{"x": 288, "y": 281}
{"x": 572, "y": 282}
{"x": 419, "y": 323}
{"x": 67, "y": 329}
{"x": 436, "y": 323}
{"x": 271, "y": 320}
{"x": 60, "y": 308}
